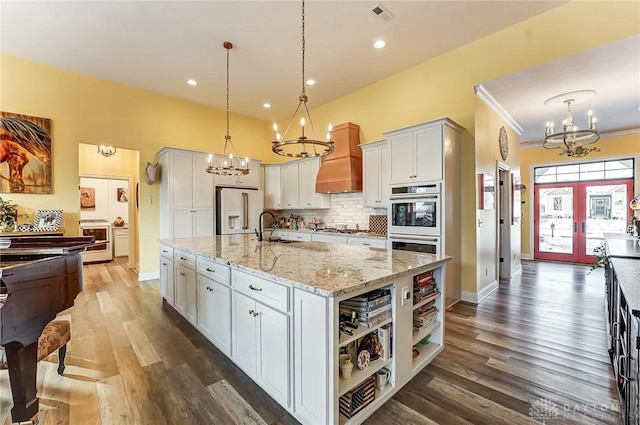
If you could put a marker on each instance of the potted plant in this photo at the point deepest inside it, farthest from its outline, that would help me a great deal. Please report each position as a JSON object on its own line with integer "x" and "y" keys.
{"x": 8, "y": 215}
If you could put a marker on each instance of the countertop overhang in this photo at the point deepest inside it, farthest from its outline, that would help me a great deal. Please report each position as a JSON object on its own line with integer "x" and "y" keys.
{"x": 324, "y": 268}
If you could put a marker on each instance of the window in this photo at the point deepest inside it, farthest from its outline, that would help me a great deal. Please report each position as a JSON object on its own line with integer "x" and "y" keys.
{"x": 587, "y": 171}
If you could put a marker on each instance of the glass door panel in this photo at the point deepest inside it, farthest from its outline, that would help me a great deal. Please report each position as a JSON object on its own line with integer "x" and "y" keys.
{"x": 556, "y": 224}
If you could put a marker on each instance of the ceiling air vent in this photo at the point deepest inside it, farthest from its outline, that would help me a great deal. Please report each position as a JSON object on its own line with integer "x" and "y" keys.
{"x": 381, "y": 12}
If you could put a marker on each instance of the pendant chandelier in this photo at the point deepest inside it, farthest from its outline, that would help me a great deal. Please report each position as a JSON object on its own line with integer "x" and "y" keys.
{"x": 228, "y": 164}
{"x": 302, "y": 146}
{"x": 572, "y": 140}
{"x": 106, "y": 150}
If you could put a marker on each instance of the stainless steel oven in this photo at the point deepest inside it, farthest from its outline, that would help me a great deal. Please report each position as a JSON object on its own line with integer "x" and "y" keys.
{"x": 415, "y": 210}
{"x": 101, "y": 230}
{"x": 427, "y": 245}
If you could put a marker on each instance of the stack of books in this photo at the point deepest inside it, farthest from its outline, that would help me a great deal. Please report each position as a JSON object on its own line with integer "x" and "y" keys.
{"x": 371, "y": 309}
{"x": 424, "y": 286}
{"x": 385, "y": 338}
{"x": 425, "y": 315}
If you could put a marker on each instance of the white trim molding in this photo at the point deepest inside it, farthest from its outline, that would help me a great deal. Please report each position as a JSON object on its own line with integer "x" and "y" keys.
{"x": 518, "y": 270}
{"x": 492, "y": 103}
{"x": 148, "y": 276}
{"x": 477, "y": 297}
{"x": 525, "y": 257}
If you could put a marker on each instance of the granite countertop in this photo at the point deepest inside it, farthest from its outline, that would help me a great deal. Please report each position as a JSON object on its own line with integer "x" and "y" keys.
{"x": 622, "y": 245}
{"x": 628, "y": 272}
{"x": 323, "y": 268}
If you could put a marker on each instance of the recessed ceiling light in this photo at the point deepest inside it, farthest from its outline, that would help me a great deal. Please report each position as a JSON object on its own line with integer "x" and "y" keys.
{"x": 379, "y": 44}
{"x": 266, "y": 105}
{"x": 192, "y": 82}
{"x": 311, "y": 82}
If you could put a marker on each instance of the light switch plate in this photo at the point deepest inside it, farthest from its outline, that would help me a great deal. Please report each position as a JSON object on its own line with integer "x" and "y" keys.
{"x": 406, "y": 295}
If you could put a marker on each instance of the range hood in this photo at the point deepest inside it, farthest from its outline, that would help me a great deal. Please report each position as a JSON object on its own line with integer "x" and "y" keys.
{"x": 341, "y": 170}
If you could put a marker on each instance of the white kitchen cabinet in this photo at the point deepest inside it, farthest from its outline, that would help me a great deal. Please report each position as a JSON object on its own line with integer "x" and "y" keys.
{"x": 251, "y": 180}
{"x": 167, "y": 288}
{"x": 308, "y": 198}
{"x": 260, "y": 332}
{"x": 375, "y": 174}
{"x": 311, "y": 366}
{"x": 185, "y": 284}
{"x": 289, "y": 179}
{"x": 214, "y": 302}
{"x": 272, "y": 188}
{"x": 416, "y": 153}
{"x": 186, "y": 194}
{"x": 214, "y": 312}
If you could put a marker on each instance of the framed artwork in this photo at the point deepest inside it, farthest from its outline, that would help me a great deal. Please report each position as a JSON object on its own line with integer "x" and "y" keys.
{"x": 26, "y": 165}
{"x": 487, "y": 187}
{"x": 87, "y": 198}
{"x": 123, "y": 194}
{"x": 47, "y": 220}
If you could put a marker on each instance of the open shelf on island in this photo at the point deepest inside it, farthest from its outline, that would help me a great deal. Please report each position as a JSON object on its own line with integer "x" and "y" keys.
{"x": 359, "y": 333}
{"x": 427, "y": 353}
{"x": 358, "y": 375}
{"x": 419, "y": 334}
{"x": 372, "y": 407}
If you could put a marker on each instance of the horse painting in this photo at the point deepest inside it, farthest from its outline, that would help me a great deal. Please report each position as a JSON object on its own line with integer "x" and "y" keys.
{"x": 25, "y": 154}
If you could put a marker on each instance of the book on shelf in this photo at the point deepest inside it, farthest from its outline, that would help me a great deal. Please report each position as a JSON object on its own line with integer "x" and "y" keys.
{"x": 423, "y": 277}
{"x": 422, "y": 296}
{"x": 366, "y": 304}
{"x": 384, "y": 338}
{"x": 366, "y": 314}
{"x": 372, "y": 321}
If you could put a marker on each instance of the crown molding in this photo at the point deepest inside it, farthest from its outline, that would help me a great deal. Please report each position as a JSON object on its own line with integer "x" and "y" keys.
{"x": 489, "y": 100}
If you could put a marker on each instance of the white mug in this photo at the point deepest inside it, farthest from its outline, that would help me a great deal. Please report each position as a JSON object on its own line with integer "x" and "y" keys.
{"x": 382, "y": 378}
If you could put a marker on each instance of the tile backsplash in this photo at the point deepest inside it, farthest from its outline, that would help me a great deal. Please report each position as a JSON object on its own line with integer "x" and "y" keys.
{"x": 345, "y": 208}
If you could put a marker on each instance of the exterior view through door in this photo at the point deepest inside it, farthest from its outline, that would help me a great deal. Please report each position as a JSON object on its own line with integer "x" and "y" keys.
{"x": 576, "y": 204}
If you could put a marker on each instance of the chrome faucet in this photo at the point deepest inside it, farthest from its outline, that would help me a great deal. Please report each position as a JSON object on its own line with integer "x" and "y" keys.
{"x": 259, "y": 233}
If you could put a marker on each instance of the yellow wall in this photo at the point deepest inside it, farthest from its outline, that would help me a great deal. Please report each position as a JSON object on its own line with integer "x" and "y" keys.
{"x": 610, "y": 147}
{"x": 488, "y": 125}
{"x": 92, "y": 111}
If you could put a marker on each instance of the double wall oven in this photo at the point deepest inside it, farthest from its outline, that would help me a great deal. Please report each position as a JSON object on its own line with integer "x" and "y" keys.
{"x": 415, "y": 218}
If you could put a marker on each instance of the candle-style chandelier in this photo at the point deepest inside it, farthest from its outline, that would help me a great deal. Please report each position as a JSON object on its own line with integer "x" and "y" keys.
{"x": 572, "y": 140}
{"x": 106, "y": 150}
{"x": 228, "y": 164}
{"x": 302, "y": 146}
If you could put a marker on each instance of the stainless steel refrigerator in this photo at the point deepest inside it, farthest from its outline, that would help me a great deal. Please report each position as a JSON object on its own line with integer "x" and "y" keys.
{"x": 237, "y": 210}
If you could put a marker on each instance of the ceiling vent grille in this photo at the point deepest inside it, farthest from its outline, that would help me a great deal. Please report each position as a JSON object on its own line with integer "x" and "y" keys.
{"x": 382, "y": 13}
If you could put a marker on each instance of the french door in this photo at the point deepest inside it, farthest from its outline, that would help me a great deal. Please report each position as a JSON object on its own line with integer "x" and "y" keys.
{"x": 571, "y": 218}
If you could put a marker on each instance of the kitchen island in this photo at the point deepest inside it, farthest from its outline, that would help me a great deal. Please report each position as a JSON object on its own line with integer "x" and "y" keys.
{"x": 274, "y": 310}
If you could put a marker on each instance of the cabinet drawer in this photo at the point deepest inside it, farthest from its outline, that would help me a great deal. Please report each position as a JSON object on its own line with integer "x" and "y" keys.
{"x": 216, "y": 271}
{"x": 184, "y": 258}
{"x": 166, "y": 251}
{"x": 374, "y": 243}
{"x": 294, "y": 236}
{"x": 262, "y": 290}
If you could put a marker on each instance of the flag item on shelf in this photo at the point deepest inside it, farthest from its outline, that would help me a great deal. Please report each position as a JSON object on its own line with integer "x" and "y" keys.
{"x": 358, "y": 398}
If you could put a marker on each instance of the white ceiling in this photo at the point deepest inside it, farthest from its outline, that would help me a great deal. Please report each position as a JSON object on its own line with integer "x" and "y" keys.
{"x": 158, "y": 45}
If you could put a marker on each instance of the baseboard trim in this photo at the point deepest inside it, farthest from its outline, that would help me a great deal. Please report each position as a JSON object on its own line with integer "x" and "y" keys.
{"x": 477, "y": 297}
{"x": 526, "y": 256}
{"x": 517, "y": 271}
{"x": 148, "y": 276}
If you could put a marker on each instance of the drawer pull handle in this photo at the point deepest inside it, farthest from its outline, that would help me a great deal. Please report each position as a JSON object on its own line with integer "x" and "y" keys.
{"x": 164, "y": 264}
{"x": 210, "y": 270}
{"x": 366, "y": 244}
{"x": 253, "y": 288}
{"x": 182, "y": 274}
{"x": 183, "y": 259}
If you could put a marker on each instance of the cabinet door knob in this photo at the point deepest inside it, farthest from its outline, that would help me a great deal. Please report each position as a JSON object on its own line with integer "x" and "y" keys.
{"x": 253, "y": 288}
{"x": 251, "y": 312}
{"x": 182, "y": 274}
{"x": 256, "y": 314}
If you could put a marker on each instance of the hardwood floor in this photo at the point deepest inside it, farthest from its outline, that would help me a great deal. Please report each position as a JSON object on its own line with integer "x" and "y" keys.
{"x": 533, "y": 350}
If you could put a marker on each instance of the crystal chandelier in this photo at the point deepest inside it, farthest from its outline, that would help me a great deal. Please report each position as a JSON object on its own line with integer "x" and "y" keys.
{"x": 228, "y": 164}
{"x": 572, "y": 140}
{"x": 302, "y": 146}
{"x": 106, "y": 150}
